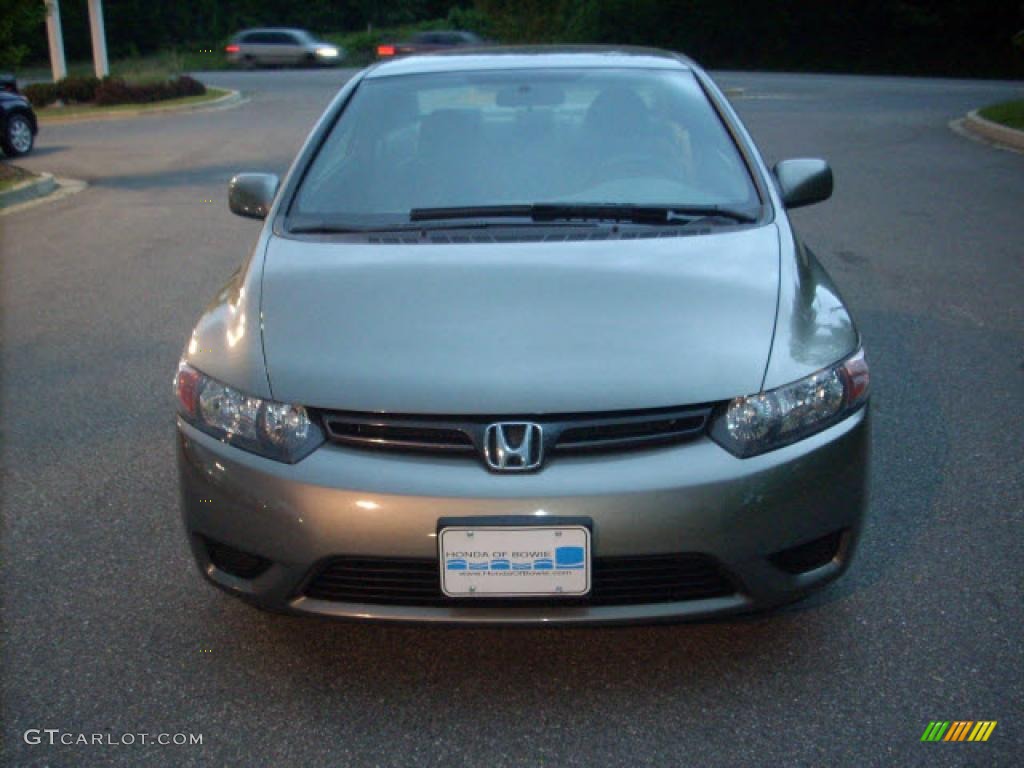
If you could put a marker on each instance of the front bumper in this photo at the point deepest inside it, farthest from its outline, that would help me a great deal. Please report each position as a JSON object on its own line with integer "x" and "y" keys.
{"x": 689, "y": 498}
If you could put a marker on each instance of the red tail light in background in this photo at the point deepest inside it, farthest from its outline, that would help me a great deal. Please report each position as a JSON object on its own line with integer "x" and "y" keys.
{"x": 231, "y": 49}
{"x": 385, "y": 50}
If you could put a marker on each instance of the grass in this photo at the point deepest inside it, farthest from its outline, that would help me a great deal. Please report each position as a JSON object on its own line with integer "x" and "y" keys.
{"x": 1008, "y": 113}
{"x": 141, "y": 69}
{"x": 11, "y": 175}
{"x": 48, "y": 114}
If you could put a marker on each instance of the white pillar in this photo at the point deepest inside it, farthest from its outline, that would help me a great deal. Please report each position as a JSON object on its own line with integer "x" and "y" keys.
{"x": 56, "y": 40}
{"x": 99, "y": 38}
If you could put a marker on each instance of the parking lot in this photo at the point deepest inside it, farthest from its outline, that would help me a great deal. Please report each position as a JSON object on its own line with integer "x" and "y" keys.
{"x": 108, "y": 628}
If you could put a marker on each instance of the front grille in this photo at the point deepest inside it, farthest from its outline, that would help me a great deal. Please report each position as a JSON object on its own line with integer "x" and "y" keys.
{"x": 563, "y": 433}
{"x": 614, "y": 581}
{"x": 397, "y": 436}
{"x": 609, "y": 435}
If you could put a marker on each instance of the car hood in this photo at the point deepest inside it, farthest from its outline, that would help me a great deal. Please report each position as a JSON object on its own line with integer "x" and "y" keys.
{"x": 520, "y": 328}
{"x": 9, "y": 99}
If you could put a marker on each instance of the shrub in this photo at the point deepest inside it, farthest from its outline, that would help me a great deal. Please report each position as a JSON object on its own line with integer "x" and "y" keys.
{"x": 471, "y": 20}
{"x": 41, "y": 94}
{"x": 115, "y": 90}
{"x": 72, "y": 90}
{"x": 78, "y": 90}
{"x": 189, "y": 86}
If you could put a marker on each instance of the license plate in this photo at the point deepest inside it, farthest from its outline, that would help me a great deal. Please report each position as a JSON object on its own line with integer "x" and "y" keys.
{"x": 515, "y": 561}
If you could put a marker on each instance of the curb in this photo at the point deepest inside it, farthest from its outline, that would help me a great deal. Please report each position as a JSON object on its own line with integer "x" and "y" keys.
{"x": 1000, "y": 134}
{"x": 28, "y": 190}
{"x": 229, "y": 99}
{"x": 62, "y": 188}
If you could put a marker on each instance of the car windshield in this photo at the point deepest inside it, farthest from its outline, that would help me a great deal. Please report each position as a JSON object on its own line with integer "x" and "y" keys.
{"x": 522, "y": 137}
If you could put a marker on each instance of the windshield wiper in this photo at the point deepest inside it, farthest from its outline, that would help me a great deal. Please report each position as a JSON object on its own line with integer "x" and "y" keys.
{"x": 629, "y": 212}
{"x": 639, "y": 214}
{"x": 320, "y": 228}
{"x": 324, "y": 228}
{"x": 552, "y": 214}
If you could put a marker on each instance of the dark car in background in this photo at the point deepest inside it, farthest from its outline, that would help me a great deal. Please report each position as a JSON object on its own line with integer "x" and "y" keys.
{"x": 18, "y": 124}
{"x": 281, "y": 47}
{"x": 425, "y": 42}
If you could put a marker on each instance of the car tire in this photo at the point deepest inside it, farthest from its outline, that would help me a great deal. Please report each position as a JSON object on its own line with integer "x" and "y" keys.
{"x": 248, "y": 62}
{"x": 17, "y": 138}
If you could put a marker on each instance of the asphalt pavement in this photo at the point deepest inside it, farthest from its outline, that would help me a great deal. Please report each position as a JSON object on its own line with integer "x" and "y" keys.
{"x": 107, "y": 628}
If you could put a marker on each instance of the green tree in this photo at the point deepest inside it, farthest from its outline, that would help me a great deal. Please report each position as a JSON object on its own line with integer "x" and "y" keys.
{"x": 20, "y": 21}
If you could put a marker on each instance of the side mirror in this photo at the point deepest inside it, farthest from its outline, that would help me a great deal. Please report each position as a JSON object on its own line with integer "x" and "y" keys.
{"x": 803, "y": 181}
{"x": 251, "y": 194}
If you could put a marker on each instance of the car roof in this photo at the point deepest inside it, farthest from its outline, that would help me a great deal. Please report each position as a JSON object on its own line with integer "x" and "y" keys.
{"x": 444, "y": 32}
{"x": 531, "y": 57}
{"x": 274, "y": 29}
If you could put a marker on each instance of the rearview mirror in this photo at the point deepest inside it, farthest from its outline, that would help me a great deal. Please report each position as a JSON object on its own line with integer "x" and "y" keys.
{"x": 803, "y": 181}
{"x": 531, "y": 95}
{"x": 251, "y": 194}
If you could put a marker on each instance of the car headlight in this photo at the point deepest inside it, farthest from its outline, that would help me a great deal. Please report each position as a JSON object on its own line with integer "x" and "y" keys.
{"x": 278, "y": 431}
{"x": 763, "y": 422}
{"x": 327, "y": 52}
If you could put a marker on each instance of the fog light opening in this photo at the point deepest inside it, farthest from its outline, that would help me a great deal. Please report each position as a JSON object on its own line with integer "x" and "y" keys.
{"x": 235, "y": 562}
{"x": 810, "y": 555}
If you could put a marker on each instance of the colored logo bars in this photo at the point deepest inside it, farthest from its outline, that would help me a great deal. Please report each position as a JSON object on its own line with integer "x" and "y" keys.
{"x": 958, "y": 730}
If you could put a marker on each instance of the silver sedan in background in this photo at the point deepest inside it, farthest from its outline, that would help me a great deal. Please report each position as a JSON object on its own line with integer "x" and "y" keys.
{"x": 527, "y": 337}
{"x": 281, "y": 47}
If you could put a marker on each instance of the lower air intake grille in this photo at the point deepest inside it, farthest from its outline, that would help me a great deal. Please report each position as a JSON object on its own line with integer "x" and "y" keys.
{"x": 615, "y": 581}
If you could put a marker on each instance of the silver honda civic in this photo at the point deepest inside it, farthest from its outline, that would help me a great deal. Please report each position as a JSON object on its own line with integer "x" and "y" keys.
{"x": 527, "y": 337}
